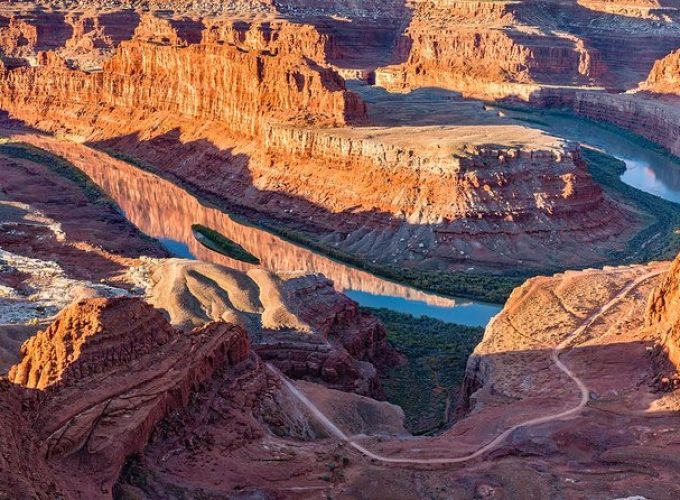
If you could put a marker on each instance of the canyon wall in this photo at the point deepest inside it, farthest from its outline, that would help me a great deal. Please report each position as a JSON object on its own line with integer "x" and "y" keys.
{"x": 492, "y": 49}
{"x": 87, "y": 428}
{"x": 650, "y": 118}
{"x": 241, "y": 88}
{"x": 663, "y": 321}
{"x": 471, "y": 59}
{"x": 448, "y": 208}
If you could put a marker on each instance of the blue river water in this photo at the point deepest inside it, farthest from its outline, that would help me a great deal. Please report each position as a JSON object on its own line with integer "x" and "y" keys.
{"x": 646, "y": 169}
{"x": 464, "y": 312}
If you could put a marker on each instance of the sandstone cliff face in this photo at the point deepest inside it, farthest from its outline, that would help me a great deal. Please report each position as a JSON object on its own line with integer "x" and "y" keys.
{"x": 665, "y": 75}
{"x": 24, "y": 472}
{"x": 275, "y": 36}
{"x": 663, "y": 321}
{"x": 240, "y": 88}
{"x": 452, "y": 206}
{"x": 24, "y": 34}
{"x": 88, "y": 427}
{"x": 474, "y": 46}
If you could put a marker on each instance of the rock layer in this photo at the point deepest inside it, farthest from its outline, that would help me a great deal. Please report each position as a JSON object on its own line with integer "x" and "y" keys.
{"x": 89, "y": 427}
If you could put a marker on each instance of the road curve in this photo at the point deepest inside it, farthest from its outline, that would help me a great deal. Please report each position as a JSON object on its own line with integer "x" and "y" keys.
{"x": 555, "y": 356}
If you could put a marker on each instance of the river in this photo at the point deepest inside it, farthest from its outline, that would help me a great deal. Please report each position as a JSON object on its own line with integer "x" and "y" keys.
{"x": 167, "y": 212}
{"x": 646, "y": 169}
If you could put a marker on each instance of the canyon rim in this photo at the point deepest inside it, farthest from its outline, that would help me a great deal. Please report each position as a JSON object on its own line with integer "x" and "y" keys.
{"x": 405, "y": 249}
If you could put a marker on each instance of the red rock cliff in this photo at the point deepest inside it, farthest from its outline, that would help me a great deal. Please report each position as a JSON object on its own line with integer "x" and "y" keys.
{"x": 663, "y": 319}
{"x": 665, "y": 75}
{"x": 237, "y": 86}
{"x": 108, "y": 371}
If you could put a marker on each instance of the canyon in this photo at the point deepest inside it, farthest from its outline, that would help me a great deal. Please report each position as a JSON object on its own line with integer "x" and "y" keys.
{"x": 201, "y": 203}
{"x": 451, "y": 204}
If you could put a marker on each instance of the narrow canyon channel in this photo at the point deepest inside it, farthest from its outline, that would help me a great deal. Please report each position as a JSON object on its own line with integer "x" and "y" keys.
{"x": 167, "y": 212}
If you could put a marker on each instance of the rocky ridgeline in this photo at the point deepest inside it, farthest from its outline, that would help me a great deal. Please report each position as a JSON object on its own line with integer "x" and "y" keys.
{"x": 157, "y": 72}
{"x": 111, "y": 378}
{"x": 107, "y": 371}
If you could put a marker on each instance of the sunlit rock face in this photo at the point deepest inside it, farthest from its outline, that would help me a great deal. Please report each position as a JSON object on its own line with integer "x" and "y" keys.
{"x": 258, "y": 123}
{"x": 150, "y": 370}
{"x": 663, "y": 322}
{"x": 665, "y": 75}
{"x": 157, "y": 72}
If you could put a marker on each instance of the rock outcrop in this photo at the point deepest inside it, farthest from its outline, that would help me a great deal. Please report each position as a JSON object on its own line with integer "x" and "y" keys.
{"x": 106, "y": 371}
{"x": 297, "y": 322}
{"x": 243, "y": 91}
{"x": 663, "y": 322}
{"x": 24, "y": 472}
{"x": 665, "y": 75}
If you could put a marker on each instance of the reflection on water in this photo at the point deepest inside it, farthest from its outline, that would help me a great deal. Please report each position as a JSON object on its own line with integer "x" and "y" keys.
{"x": 465, "y": 313}
{"x": 646, "y": 169}
{"x": 646, "y": 178}
{"x": 167, "y": 212}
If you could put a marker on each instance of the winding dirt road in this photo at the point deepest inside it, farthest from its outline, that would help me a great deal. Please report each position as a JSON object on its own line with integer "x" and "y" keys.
{"x": 555, "y": 356}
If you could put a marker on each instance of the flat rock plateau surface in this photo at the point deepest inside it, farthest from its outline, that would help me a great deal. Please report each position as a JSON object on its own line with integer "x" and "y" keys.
{"x": 386, "y": 133}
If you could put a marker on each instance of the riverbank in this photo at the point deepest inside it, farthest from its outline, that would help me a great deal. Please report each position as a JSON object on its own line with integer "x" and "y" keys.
{"x": 659, "y": 240}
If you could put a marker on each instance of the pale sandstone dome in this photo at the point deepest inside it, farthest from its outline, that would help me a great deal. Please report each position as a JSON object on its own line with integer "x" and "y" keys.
{"x": 297, "y": 322}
